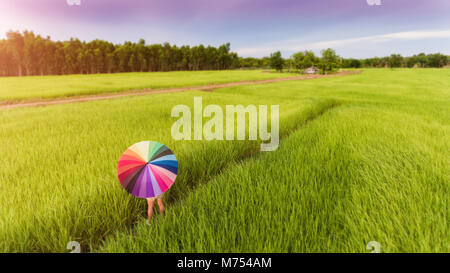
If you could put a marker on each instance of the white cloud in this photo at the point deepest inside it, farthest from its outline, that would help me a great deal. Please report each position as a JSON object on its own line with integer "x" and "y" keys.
{"x": 295, "y": 45}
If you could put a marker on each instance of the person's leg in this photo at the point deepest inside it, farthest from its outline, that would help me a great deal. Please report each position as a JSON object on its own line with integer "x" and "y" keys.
{"x": 161, "y": 206}
{"x": 150, "y": 203}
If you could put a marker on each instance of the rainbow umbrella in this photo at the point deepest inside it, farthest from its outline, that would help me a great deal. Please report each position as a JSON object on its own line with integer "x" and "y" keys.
{"x": 147, "y": 169}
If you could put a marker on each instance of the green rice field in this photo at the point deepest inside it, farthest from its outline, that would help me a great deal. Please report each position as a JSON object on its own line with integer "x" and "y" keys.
{"x": 44, "y": 87}
{"x": 362, "y": 158}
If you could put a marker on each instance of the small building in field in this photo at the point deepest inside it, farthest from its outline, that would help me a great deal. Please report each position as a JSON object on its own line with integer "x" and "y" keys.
{"x": 311, "y": 70}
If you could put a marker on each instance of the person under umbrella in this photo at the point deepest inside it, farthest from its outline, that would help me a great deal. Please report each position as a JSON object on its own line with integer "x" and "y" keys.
{"x": 147, "y": 170}
{"x": 151, "y": 203}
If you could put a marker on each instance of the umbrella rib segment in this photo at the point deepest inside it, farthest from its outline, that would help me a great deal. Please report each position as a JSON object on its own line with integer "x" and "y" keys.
{"x": 155, "y": 149}
{"x": 125, "y": 173}
{"x": 154, "y": 184}
{"x": 144, "y": 187}
{"x": 164, "y": 153}
{"x": 142, "y": 149}
{"x": 172, "y": 163}
{"x": 126, "y": 177}
{"x": 161, "y": 179}
{"x": 167, "y": 173}
{"x": 149, "y": 189}
{"x": 132, "y": 153}
{"x": 132, "y": 182}
{"x": 126, "y": 164}
{"x": 164, "y": 158}
{"x": 140, "y": 188}
{"x": 129, "y": 157}
{"x": 173, "y": 169}
{"x": 151, "y": 145}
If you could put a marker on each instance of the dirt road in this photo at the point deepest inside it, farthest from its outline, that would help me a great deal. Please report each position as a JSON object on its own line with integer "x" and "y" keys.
{"x": 150, "y": 91}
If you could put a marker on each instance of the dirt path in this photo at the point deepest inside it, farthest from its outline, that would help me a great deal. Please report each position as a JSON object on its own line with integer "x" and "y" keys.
{"x": 150, "y": 91}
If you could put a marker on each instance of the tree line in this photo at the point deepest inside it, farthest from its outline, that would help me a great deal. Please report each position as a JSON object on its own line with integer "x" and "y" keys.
{"x": 330, "y": 61}
{"x": 29, "y": 54}
{"x": 422, "y": 60}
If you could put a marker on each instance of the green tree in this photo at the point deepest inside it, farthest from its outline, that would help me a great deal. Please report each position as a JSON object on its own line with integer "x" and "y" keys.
{"x": 395, "y": 60}
{"x": 305, "y": 59}
{"x": 351, "y": 63}
{"x": 276, "y": 61}
{"x": 330, "y": 61}
{"x": 437, "y": 60}
{"x": 6, "y": 60}
{"x": 15, "y": 46}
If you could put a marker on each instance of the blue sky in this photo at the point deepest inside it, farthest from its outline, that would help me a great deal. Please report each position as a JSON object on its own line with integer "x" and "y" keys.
{"x": 253, "y": 27}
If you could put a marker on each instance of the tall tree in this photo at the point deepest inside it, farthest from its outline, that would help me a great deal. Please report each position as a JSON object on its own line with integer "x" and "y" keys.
{"x": 395, "y": 60}
{"x": 15, "y": 46}
{"x": 276, "y": 61}
{"x": 437, "y": 60}
{"x": 330, "y": 61}
{"x": 304, "y": 59}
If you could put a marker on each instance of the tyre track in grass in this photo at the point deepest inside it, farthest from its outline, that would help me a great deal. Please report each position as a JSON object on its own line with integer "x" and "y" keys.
{"x": 149, "y": 91}
{"x": 300, "y": 119}
{"x": 294, "y": 122}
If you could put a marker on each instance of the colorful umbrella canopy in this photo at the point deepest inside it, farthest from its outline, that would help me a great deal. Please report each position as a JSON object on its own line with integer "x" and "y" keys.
{"x": 147, "y": 169}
